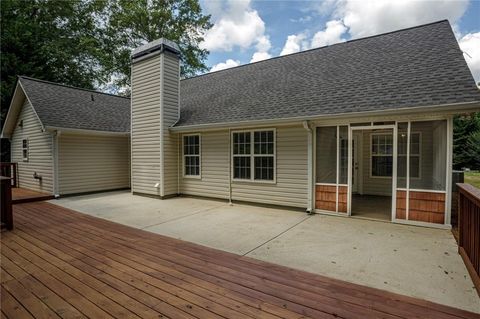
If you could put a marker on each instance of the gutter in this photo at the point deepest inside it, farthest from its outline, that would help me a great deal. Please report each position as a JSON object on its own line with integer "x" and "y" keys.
{"x": 309, "y": 130}
{"x": 453, "y": 108}
{"x": 84, "y": 131}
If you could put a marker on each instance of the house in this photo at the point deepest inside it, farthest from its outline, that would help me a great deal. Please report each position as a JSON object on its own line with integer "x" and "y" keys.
{"x": 68, "y": 140}
{"x": 361, "y": 128}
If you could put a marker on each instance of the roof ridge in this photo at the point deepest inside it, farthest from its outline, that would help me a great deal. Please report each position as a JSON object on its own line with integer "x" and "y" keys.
{"x": 319, "y": 48}
{"x": 70, "y": 86}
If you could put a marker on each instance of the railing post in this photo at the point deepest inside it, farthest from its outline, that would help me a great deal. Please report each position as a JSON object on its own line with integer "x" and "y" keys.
{"x": 469, "y": 230}
{"x": 6, "y": 202}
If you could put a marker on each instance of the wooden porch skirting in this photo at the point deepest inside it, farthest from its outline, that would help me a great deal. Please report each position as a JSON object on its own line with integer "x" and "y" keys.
{"x": 60, "y": 263}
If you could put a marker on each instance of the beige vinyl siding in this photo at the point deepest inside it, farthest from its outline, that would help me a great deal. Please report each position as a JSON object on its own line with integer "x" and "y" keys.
{"x": 214, "y": 165}
{"x": 40, "y": 151}
{"x": 88, "y": 163}
{"x": 171, "y": 78}
{"x": 290, "y": 188}
{"x": 145, "y": 133}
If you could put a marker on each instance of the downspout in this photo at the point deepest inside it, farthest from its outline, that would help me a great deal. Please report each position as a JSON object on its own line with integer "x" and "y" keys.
{"x": 56, "y": 188}
{"x": 307, "y": 127}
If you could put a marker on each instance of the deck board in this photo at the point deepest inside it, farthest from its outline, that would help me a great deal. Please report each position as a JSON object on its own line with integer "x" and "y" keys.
{"x": 23, "y": 195}
{"x": 60, "y": 263}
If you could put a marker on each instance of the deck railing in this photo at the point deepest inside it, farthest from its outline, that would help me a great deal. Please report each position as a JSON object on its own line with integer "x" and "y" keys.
{"x": 10, "y": 170}
{"x": 6, "y": 217}
{"x": 469, "y": 230}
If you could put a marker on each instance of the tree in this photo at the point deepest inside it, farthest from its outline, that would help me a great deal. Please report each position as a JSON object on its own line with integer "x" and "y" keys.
{"x": 465, "y": 138}
{"x": 51, "y": 40}
{"x": 87, "y": 43}
{"x": 133, "y": 23}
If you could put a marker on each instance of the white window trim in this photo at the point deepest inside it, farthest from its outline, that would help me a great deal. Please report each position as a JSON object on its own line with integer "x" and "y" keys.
{"x": 199, "y": 176}
{"x": 383, "y": 155}
{"x": 398, "y": 155}
{"x": 25, "y": 159}
{"x": 252, "y": 157}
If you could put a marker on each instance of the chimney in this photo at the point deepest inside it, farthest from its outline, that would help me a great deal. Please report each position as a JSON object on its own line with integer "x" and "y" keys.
{"x": 155, "y": 81}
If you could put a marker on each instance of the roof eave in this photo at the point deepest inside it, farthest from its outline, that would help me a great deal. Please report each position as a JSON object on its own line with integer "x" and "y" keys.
{"x": 452, "y": 108}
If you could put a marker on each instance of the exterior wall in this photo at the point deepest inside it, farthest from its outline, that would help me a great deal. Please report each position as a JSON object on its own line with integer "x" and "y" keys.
{"x": 215, "y": 165}
{"x": 40, "y": 151}
{"x": 145, "y": 131}
{"x": 89, "y": 163}
{"x": 155, "y": 107}
{"x": 290, "y": 188}
{"x": 170, "y": 109}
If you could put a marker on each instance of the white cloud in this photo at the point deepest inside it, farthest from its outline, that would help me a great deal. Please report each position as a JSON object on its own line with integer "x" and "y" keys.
{"x": 470, "y": 44}
{"x": 364, "y": 18}
{"x": 259, "y": 56}
{"x": 263, "y": 45}
{"x": 225, "y": 65}
{"x": 236, "y": 25}
{"x": 331, "y": 35}
{"x": 294, "y": 43}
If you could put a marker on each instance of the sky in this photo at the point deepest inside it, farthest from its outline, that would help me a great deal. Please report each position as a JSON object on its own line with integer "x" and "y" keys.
{"x": 246, "y": 31}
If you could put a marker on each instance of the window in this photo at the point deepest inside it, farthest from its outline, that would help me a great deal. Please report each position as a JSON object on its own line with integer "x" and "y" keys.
{"x": 414, "y": 155}
{"x": 254, "y": 155}
{"x": 25, "y": 150}
{"x": 191, "y": 155}
{"x": 382, "y": 155}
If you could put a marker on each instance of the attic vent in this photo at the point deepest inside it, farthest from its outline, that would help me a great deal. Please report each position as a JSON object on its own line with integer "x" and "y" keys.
{"x": 91, "y": 95}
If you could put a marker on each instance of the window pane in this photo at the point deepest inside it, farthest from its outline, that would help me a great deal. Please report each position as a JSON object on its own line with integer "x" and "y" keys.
{"x": 264, "y": 168}
{"x": 263, "y": 142}
{"x": 241, "y": 143}
{"x": 381, "y": 165}
{"x": 326, "y": 154}
{"x": 241, "y": 167}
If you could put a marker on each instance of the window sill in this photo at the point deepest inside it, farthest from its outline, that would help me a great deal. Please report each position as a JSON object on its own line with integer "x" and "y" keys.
{"x": 252, "y": 181}
{"x": 198, "y": 177}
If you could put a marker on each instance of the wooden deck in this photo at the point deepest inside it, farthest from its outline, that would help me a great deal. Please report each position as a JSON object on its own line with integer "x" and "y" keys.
{"x": 23, "y": 195}
{"x": 58, "y": 263}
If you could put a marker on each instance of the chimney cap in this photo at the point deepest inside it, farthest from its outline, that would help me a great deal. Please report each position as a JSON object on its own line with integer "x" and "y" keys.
{"x": 156, "y": 45}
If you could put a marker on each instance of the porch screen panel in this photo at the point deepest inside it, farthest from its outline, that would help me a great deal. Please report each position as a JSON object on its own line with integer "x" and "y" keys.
{"x": 401, "y": 192}
{"x": 343, "y": 160}
{"x": 326, "y": 155}
{"x": 428, "y": 155}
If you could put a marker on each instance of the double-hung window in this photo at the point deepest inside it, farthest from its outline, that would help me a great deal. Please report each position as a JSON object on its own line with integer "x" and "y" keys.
{"x": 382, "y": 155}
{"x": 191, "y": 155}
{"x": 25, "y": 150}
{"x": 254, "y": 155}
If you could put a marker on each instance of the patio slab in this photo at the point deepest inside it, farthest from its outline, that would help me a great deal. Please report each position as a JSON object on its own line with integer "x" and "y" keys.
{"x": 414, "y": 261}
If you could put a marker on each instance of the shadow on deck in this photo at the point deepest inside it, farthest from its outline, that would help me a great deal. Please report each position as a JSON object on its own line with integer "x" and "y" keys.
{"x": 22, "y": 195}
{"x": 58, "y": 262}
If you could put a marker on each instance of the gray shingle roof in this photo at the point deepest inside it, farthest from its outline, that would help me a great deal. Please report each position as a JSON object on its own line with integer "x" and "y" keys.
{"x": 420, "y": 66}
{"x": 67, "y": 107}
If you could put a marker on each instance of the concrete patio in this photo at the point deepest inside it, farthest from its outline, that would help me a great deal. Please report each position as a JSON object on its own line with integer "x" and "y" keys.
{"x": 414, "y": 261}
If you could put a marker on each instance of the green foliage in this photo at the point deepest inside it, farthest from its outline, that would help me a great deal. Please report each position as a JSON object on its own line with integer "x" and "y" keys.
{"x": 132, "y": 23}
{"x": 466, "y": 141}
{"x": 51, "y": 40}
{"x": 87, "y": 43}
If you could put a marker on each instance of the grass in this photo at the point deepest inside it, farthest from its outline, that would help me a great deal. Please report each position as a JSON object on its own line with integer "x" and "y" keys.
{"x": 473, "y": 178}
